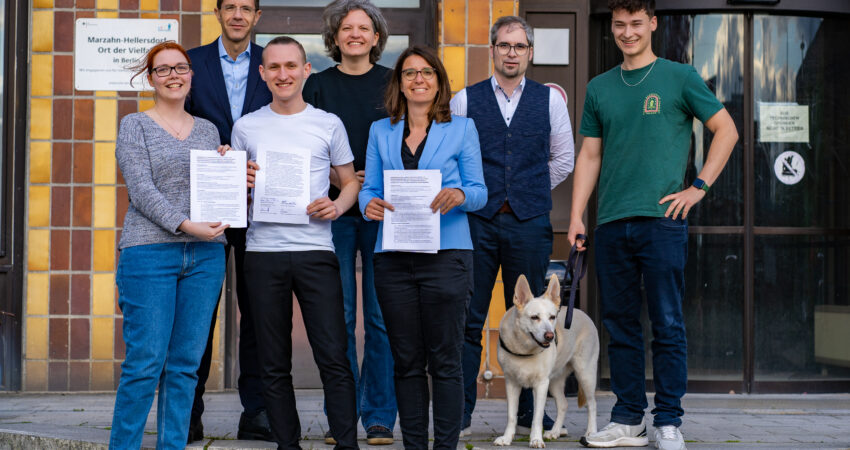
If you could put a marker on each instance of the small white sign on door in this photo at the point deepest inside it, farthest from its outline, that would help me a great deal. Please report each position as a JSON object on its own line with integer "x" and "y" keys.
{"x": 551, "y": 46}
{"x": 783, "y": 122}
{"x": 789, "y": 167}
{"x": 105, "y": 48}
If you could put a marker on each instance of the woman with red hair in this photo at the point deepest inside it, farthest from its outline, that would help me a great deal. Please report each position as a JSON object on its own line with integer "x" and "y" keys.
{"x": 170, "y": 268}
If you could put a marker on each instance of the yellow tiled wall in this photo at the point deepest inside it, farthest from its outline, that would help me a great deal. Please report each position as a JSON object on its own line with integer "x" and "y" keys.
{"x": 76, "y": 200}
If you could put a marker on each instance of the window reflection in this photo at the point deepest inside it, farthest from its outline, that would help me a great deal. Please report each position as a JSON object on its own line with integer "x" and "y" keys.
{"x": 315, "y": 49}
{"x": 798, "y": 61}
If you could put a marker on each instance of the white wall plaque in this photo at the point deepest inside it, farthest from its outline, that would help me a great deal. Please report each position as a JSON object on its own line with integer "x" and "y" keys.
{"x": 551, "y": 46}
{"x": 783, "y": 122}
{"x": 104, "y": 48}
{"x": 789, "y": 167}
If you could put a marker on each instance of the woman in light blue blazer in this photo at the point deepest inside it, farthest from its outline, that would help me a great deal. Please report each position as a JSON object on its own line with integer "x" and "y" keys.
{"x": 423, "y": 296}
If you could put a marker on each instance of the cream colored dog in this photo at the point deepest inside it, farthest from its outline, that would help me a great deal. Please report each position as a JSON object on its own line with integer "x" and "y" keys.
{"x": 537, "y": 352}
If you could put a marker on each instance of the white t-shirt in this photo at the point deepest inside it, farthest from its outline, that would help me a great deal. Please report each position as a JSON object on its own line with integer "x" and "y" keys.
{"x": 321, "y": 132}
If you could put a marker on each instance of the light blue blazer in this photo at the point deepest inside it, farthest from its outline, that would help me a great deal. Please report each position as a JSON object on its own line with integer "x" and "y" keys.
{"x": 453, "y": 149}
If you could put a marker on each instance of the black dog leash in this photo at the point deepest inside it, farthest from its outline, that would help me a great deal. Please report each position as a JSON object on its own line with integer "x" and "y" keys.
{"x": 577, "y": 268}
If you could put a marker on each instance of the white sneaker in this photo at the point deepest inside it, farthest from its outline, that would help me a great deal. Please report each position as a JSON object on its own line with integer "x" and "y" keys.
{"x": 669, "y": 437}
{"x": 466, "y": 431}
{"x": 617, "y": 435}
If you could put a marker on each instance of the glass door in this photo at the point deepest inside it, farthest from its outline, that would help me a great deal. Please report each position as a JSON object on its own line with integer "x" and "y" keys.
{"x": 801, "y": 199}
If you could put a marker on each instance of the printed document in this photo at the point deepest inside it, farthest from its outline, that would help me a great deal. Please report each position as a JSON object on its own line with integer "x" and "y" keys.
{"x": 217, "y": 187}
{"x": 282, "y": 185}
{"x": 412, "y": 226}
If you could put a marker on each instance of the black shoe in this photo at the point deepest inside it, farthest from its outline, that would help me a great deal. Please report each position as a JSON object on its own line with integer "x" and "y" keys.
{"x": 329, "y": 439}
{"x": 523, "y": 422}
{"x": 379, "y": 435}
{"x": 254, "y": 428}
{"x": 196, "y": 430}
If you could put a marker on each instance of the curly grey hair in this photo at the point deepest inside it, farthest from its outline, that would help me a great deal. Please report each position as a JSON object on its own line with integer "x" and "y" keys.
{"x": 510, "y": 21}
{"x": 332, "y": 18}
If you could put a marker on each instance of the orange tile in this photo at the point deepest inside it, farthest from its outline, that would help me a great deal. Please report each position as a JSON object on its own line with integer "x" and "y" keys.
{"x": 107, "y": 14}
{"x": 42, "y": 4}
{"x": 35, "y": 376}
{"x": 107, "y": 4}
{"x": 478, "y": 22}
{"x": 104, "y": 207}
{"x": 210, "y": 28}
{"x": 101, "y": 376}
{"x": 42, "y": 75}
{"x": 42, "y": 31}
{"x": 105, "y": 119}
{"x": 454, "y": 21}
{"x": 149, "y": 5}
{"x": 37, "y": 294}
{"x": 502, "y": 8}
{"x": 36, "y": 335}
{"x": 493, "y": 353}
{"x": 39, "y": 206}
{"x": 104, "y": 250}
{"x": 38, "y": 249}
{"x": 454, "y": 58}
{"x": 101, "y": 338}
{"x": 40, "y": 162}
{"x": 103, "y": 294}
{"x": 41, "y": 113}
{"x": 104, "y": 163}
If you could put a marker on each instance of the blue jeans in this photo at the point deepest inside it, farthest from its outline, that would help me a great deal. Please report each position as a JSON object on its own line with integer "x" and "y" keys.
{"x": 520, "y": 247}
{"x": 167, "y": 293}
{"x": 653, "y": 250}
{"x": 376, "y": 404}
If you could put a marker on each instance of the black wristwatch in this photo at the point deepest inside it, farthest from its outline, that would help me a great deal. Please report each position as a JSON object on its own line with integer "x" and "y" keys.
{"x": 699, "y": 183}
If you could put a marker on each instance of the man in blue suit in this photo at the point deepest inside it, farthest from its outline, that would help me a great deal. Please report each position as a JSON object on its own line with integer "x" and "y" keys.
{"x": 226, "y": 85}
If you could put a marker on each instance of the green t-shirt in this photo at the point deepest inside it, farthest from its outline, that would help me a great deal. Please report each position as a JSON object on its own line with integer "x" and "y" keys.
{"x": 646, "y": 134}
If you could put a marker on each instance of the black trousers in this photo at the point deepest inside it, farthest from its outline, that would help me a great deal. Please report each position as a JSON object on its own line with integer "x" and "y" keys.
{"x": 313, "y": 276}
{"x": 423, "y": 299}
{"x": 250, "y": 385}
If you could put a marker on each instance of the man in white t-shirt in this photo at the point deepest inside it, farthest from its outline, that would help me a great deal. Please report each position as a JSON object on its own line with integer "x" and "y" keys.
{"x": 282, "y": 259}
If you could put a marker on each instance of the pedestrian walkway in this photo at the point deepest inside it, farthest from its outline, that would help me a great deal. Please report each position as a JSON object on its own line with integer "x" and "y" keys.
{"x": 713, "y": 421}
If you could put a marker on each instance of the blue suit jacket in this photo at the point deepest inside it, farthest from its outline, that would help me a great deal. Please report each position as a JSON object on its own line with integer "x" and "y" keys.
{"x": 208, "y": 97}
{"x": 453, "y": 149}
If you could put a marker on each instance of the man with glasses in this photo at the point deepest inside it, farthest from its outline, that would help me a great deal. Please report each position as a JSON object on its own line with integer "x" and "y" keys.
{"x": 527, "y": 150}
{"x": 226, "y": 86}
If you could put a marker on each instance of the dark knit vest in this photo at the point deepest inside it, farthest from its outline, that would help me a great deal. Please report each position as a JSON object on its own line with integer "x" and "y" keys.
{"x": 515, "y": 158}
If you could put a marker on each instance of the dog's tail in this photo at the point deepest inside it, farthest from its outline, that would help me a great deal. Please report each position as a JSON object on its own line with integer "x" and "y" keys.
{"x": 582, "y": 399}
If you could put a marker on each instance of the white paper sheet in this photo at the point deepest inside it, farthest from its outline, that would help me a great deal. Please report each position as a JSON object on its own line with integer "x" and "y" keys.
{"x": 412, "y": 226}
{"x": 217, "y": 187}
{"x": 282, "y": 185}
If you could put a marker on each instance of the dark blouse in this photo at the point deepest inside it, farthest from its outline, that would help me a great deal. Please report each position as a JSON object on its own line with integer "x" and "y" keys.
{"x": 408, "y": 158}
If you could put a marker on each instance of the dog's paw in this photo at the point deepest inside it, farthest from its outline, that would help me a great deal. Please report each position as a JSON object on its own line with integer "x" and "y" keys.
{"x": 555, "y": 434}
{"x": 502, "y": 441}
{"x": 536, "y": 443}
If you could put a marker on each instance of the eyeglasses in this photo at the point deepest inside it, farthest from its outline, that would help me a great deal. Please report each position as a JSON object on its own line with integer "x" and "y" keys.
{"x": 505, "y": 48}
{"x": 410, "y": 74}
{"x": 231, "y": 9}
{"x": 164, "y": 71}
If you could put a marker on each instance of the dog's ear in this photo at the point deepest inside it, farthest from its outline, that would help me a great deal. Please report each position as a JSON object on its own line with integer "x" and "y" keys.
{"x": 522, "y": 293}
{"x": 553, "y": 291}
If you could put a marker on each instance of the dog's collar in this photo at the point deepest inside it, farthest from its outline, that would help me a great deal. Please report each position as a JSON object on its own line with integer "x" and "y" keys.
{"x": 505, "y": 347}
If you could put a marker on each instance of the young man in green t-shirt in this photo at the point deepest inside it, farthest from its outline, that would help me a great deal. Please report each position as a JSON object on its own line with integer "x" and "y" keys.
{"x": 637, "y": 125}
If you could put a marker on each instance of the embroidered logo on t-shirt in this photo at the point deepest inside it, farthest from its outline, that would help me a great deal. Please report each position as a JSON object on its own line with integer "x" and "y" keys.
{"x": 652, "y": 104}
